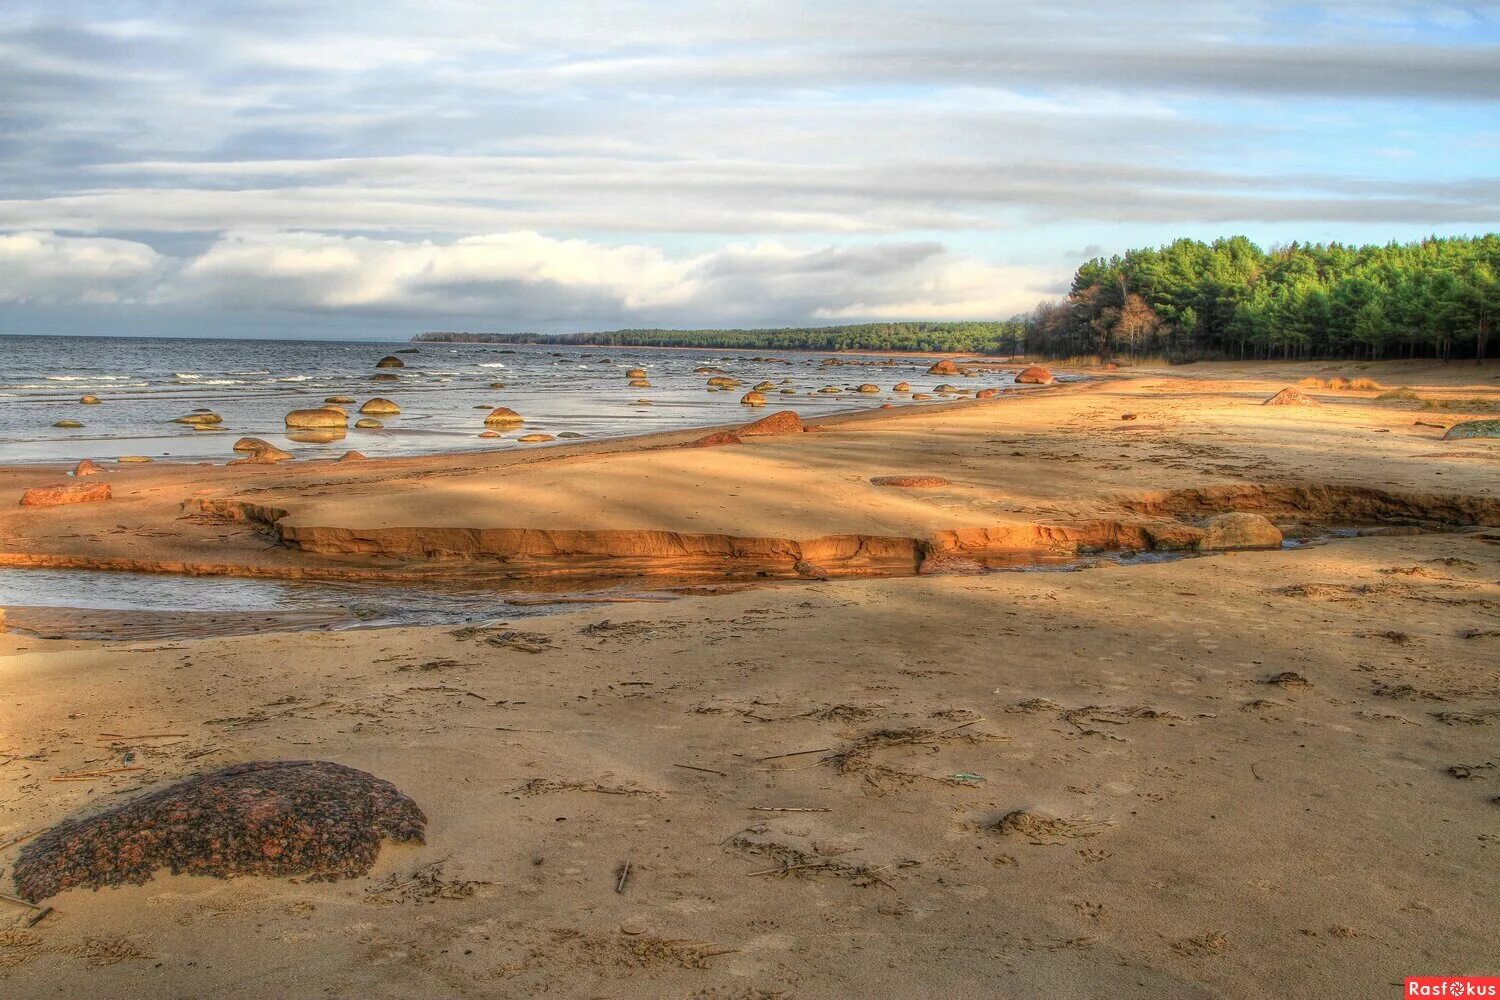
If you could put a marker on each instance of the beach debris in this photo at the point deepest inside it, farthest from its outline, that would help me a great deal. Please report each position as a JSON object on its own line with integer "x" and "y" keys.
{"x": 379, "y": 406}
{"x": 1291, "y": 397}
{"x": 390, "y": 361}
{"x": 624, "y": 876}
{"x": 87, "y": 467}
{"x": 1034, "y": 375}
{"x": 911, "y": 482}
{"x": 1474, "y": 429}
{"x": 780, "y": 422}
{"x": 795, "y": 861}
{"x": 258, "y": 452}
{"x": 318, "y": 417}
{"x": 1288, "y": 679}
{"x": 503, "y": 416}
{"x": 65, "y": 493}
{"x": 1045, "y": 829}
{"x": 1239, "y": 530}
{"x": 426, "y": 884}
{"x": 277, "y": 818}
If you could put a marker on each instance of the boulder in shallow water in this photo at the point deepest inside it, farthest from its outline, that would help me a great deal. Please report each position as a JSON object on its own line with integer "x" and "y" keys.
{"x": 390, "y": 361}
{"x": 535, "y": 438}
{"x": 67, "y": 424}
{"x": 1034, "y": 375}
{"x": 279, "y": 819}
{"x": 503, "y": 416}
{"x": 200, "y": 418}
{"x": 901, "y": 387}
{"x": 1473, "y": 429}
{"x": 944, "y": 367}
{"x": 385, "y": 377}
{"x": 378, "y": 405}
{"x": 780, "y": 422}
{"x": 1291, "y": 397}
{"x": 753, "y": 399}
{"x": 134, "y": 459}
{"x": 869, "y": 387}
{"x": 323, "y": 416}
{"x": 343, "y": 400}
{"x": 636, "y": 373}
{"x": 65, "y": 493}
{"x": 90, "y": 400}
{"x": 1239, "y": 530}
{"x": 258, "y": 452}
{"x": 987, "y": 393}
{"x": 640, "y": 383}
{"x": 497, "y": 385}
{"x": 368, "y": 424}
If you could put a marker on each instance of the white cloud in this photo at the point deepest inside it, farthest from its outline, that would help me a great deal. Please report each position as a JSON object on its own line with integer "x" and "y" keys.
{"x": 522, "y": 279}
{"x": 41, "y": 267}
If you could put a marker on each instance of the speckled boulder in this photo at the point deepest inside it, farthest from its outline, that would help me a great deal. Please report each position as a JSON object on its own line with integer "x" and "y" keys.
{"x": 1473, "y": 429}
{"x": 280, "y": 818}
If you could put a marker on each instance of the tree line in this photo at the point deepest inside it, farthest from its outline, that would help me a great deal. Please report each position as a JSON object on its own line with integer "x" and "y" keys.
{"x": 1230, "y": 299}
{"x": 971, "y": 337}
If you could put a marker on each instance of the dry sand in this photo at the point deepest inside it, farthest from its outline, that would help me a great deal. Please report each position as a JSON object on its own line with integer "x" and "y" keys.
{"x": 1244, "y": 774}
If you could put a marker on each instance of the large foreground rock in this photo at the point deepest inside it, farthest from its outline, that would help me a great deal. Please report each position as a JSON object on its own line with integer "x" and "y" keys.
{"x": 780, "y": 422}
{"x": 281, "y": 818}
{"x": 59, "y": 494}
{"x": 1239, "y": 531}
{"x": 1474, "y": 429}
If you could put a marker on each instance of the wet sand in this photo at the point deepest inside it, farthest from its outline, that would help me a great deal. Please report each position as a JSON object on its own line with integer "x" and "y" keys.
{"x": 1253, "y": 772}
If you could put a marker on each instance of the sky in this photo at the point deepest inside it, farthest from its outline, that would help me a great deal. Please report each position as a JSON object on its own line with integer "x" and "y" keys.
{"x": 306, "y": 169}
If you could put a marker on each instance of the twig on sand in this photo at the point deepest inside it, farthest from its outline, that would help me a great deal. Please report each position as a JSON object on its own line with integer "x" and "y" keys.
{"x": 86, "y": 775}
{"x": 705, "y": 770}
{"x": 143, "y": 736}
{"x": 794, "y": 753}
{"x": 19, "y": 901}
{"x": 790, "y": 809}
{"x": 24, "y": 837}
{"x": 624, "y": 875}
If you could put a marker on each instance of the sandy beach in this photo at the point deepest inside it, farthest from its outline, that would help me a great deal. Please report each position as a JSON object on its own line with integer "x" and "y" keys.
{"x": 855, "y": 756}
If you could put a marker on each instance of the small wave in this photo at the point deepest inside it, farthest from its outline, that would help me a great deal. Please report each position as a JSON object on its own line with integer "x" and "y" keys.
{"x": 492, "y": 364}
{"x": 294, "y": 378}
{"x": 89, "y": 378}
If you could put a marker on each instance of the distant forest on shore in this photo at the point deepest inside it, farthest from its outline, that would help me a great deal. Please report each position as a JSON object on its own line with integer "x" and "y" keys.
{"x": 1189, "y": 300}
{"x": 977, "y": 337}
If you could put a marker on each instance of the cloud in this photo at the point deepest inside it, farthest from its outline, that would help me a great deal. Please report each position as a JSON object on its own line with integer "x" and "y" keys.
{"x": 523, "y": 280}
{"x": 40, "y": 267}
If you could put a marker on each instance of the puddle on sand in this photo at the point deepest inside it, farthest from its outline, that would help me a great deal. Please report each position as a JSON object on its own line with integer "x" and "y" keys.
{"x": 91, "y": 604}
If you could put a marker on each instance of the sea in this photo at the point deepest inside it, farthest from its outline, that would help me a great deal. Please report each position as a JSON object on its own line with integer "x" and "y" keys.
{"x": 444, "y": 392}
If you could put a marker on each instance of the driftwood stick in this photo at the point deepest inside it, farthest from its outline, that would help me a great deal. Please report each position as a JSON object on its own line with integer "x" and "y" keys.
{"x": 794, "y": 753}
{"x": 790, "y": 809}
{"x": 624, "y": 874}
{"x": 705, "y": 770}
{"x": 82, "y": 775}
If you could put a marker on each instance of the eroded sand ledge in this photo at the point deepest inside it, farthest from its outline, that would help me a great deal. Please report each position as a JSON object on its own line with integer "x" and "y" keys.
{"x": 1053, "y": 471}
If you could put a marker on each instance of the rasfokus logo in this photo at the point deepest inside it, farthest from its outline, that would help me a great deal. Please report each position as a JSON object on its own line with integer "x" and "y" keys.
{"x": 1452, "y": 986}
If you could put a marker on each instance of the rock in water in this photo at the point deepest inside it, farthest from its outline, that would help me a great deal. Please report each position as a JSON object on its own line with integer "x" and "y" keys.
{"x": 1473, "y": 429}
{"x": 868, "y": 387}
{"x": 987, "y": 394}
{"x": 200, "y": 419}
{"x": 780, "y": 422}
{"x": 276, "y": 818}
{"x": 753, "y": 399}
{"x": 258, "y": 452}
{"x": 636, "y": 373}
{"x": 1290, "y": 397}
{"x": 378, "y": 405}
{"x": 944, "y": 367}
{"x": 90, "y": 400}
{"x": 1034, "y": 375}
{"x": 901, "y": 387}
{"x": 65, "y": 493}
{"x": 1239, "y": 531}
{"x": 390, "y": 361}
{"x": 323, "y": 416}
{"x": 368, "y": 424}
{"x": 503, "y": 416}
{"x": 68, "y": 424}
